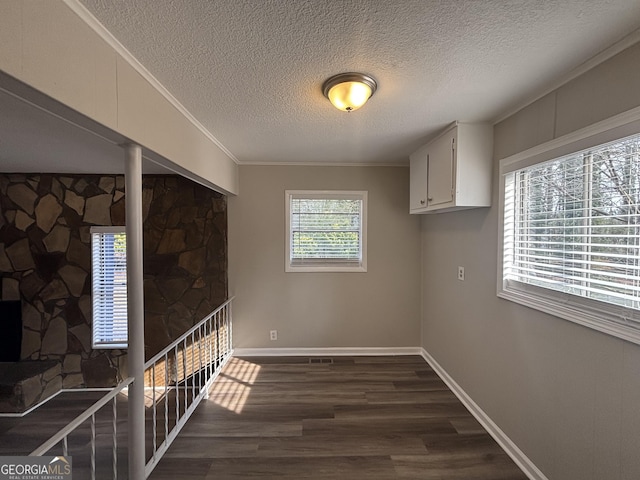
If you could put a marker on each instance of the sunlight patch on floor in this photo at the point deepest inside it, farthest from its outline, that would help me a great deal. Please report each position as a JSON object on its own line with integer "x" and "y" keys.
{"x": 233, "y": 386}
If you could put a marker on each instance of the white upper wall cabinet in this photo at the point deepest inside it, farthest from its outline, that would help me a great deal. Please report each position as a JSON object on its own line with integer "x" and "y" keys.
{"x": 453, "y": 171}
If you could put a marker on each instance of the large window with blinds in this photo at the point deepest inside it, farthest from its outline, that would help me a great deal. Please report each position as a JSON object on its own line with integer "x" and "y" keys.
{"x": 326, "y": 231}
{"x": 571, "y": 235}
{"x": 109, "y": 287}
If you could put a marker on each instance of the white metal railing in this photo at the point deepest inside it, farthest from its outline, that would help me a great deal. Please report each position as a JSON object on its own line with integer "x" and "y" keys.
{"x": 62, "y": 437}
{"x": 179, "y": 377}
{"x": 176, "y": 380}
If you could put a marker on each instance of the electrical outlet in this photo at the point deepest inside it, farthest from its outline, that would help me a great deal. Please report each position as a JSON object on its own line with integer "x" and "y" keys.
{"x": 461, "y": 273}
{"x": 273, "y": 334}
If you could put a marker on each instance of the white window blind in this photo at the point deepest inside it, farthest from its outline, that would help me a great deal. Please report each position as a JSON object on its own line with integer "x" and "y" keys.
{"x": 572, "y": 225}
{"x": 326, "y": 230}
{"x": 109, "y": 287}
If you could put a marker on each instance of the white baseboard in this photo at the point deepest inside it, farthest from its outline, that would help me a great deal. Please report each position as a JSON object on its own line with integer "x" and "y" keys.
{"x": 325, "y": 352}
{"x": 517, "y": 455}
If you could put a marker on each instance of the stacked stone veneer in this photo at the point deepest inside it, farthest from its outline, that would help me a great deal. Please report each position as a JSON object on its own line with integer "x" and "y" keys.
{"x": 28, "y": 383}
{"x": 45, "y": 261}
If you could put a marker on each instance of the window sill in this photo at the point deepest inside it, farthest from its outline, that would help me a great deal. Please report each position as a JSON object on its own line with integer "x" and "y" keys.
{"x": 110, "y": 346}
{"x": 600, "y": 321}
{"x": 325, "y": 269}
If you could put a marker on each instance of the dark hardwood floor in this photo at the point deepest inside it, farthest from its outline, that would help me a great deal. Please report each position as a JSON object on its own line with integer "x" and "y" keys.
{"x": 21, "y": 435}
{"x": 286, "y": 418}
{"x": 356, "y": 418}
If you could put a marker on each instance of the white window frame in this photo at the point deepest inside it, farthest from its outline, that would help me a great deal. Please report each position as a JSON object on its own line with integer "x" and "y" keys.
{"x": 327, "y": 266}
{"x": 97, "y": 319}
{"x": 607, "y": 318}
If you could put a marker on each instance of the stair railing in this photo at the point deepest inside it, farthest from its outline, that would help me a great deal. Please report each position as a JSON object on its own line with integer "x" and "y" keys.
{"x": 61, "y": 439}
{"x": 179, "y": 377}
{"x": 176, "y": 380}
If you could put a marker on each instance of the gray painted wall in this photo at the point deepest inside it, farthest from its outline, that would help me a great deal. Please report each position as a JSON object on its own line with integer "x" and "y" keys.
{"x": 379, "y": 308}
{"x": 568, "y": 396}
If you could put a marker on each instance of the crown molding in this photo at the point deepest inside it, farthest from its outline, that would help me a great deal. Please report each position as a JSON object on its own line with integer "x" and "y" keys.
{"x": 324, "y": 164}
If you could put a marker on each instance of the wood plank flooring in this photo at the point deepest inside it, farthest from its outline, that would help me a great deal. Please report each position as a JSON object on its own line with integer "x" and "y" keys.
{"x": 356, "y": 418}
{"x": 21, "y": 435}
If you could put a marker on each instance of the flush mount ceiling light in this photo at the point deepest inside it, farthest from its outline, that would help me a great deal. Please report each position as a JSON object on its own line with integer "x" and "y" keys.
{"x": 349, "y": 91}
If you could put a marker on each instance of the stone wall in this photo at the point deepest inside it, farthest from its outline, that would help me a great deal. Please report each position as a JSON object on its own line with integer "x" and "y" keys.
{"x": 185, "y": 257}
{"x": 45, "y": 261}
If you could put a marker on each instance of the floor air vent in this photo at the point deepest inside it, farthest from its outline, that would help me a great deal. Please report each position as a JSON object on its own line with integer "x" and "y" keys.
{"x": 320, "y": 360}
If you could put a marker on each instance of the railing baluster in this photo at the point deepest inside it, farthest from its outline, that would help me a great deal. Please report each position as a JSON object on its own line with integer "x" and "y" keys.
{"x": 193, "y": 364}
{"x": 200, "y": 360}
{"x": 166, "y": 396}
{"x": 214, "y": 344}
{"x": 186, "y": 397}
{"x": 223, "y": 329}
{"x": 65, "y": 446}
{"x": 114, "y": 416}
{"x": 93, "y": 447}
{"x": 219, "y": 337}
{"x": 224, "y": 335}
{"x": 196, "y": 339}
{"x": 153, "y": 412}
{"x": 229, "y": 309}
{"x": 223, "y": 343}
{"x": 210, "y": 362}
{"x": 175, "y": 350}
{"x": 218, "y": 342}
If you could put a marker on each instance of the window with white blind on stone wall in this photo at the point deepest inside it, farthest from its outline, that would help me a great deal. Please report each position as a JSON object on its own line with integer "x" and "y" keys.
{"x": 109, "y": 287}
{"x": 326, "y": 231}
{"x": 570, "y": 240}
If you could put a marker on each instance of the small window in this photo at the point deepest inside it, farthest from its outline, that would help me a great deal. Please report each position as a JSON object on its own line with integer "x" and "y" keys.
{"x": 109, "y": 287}
{"x": 571, "y": 234}
{"x": 326, "y": 231}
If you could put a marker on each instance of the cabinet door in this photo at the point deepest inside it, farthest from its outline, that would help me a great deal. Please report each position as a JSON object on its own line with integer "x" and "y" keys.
{"x": 440, "y": 170}
{"x": 418, "y": 181}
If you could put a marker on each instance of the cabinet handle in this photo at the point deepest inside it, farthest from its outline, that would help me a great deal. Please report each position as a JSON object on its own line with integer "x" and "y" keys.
{"x": 422, "y": 202}
{"x": 430, "y": 199}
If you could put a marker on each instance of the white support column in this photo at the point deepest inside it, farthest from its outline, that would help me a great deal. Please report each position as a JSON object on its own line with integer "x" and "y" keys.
{"x": 135, "y": 309}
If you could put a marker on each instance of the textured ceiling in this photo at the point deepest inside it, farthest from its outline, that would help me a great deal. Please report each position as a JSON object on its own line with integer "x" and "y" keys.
{"x": 251, "y": 70}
